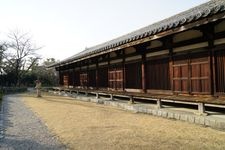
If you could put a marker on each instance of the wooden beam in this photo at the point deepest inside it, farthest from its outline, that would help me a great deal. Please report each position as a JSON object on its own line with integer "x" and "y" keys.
{"x": 87, "y": 76}
{"x": 143, "y": 72}
{"x": 108, "y": 59}
{"x": 168, "y": 43}
{"x": 96, "y": 75}
{"x": 124, "y": 70}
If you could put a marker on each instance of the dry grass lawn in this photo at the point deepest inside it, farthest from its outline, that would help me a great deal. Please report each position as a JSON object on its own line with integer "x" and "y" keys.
{"x": 84, "y": 125}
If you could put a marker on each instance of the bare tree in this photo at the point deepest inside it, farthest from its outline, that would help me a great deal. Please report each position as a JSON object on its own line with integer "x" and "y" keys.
{"x": 21, "y": 54}
{"x": 2, "y": 50}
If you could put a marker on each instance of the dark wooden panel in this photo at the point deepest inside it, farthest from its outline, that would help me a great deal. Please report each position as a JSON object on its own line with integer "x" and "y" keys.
{"x": 92, "y": 78}
{"x": 158, "y": 75}
{"x": 103, "y": 77}
{"x": 71, "y": 77}
{"x": 60, "y": 78}
{"x": 77, "y": 78}
{"x": 133, "y": 75}
{"x": 220, "y": 71}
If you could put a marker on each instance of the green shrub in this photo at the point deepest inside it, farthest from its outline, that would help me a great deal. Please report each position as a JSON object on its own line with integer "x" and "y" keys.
{"x": 9, "y": 90}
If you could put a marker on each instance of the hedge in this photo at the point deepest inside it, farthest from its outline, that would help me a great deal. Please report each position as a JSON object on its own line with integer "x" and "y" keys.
{"x": 9, "y": 90}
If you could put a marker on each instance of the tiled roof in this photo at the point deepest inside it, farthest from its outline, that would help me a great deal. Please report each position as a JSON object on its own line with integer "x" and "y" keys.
{"x": 204, "y": 10}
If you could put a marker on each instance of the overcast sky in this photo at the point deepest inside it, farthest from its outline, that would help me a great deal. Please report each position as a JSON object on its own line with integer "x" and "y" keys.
{"x": 66, "y": 27}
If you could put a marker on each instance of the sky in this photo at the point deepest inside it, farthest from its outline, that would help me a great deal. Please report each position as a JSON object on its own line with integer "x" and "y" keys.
{"x": 65, "y": 27}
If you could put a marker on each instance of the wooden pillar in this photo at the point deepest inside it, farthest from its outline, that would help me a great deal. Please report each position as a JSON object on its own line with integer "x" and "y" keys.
{"x": 96, "y": 75}
{"x": 124, "y": 70}
{"x": 87, "y": 86}
{"x": 60, "y": 77}
{"x": 212, "y": 64}
{"x": 209, "y": 33}
{"x": 143, "y": 72}
{"x": 80, "y": 73}
{"x": 108, "y": 59}
{"x": 73, "y": 75}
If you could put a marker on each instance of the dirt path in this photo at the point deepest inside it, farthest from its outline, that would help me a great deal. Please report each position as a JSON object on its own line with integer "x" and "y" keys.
{"x": 23, "y": 130}
{"x": 84, "y": 125}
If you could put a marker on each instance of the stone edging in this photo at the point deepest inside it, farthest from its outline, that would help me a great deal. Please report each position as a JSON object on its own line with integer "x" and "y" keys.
{"x": 207, "y": 121}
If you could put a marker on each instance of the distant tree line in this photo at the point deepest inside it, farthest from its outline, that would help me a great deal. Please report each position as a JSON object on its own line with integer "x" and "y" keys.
{"x": 20, "y": 65}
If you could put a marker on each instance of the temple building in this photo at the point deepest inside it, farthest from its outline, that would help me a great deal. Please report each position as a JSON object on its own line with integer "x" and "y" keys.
{"x": 181, "y": 55}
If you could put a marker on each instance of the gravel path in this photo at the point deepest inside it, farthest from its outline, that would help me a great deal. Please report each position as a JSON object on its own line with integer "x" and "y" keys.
{"x": 24, "y": 130}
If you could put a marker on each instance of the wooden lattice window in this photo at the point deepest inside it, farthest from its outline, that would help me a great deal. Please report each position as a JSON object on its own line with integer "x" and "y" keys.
{"x": 116, "y": 79}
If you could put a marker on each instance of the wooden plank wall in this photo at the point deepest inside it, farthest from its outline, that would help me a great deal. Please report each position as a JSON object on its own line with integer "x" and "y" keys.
{"x": 158, "y": 76}
{"x": 185, "y": 68}
{"x": 220, "y": 71}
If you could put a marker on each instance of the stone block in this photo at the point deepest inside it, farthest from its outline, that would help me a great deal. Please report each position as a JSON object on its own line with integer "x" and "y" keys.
{"x": 149, "y": 111}
{"x": 191, "y": 119}
{"x": 127, "y": 107}
{"x": 159, "y": 113}
{"x": 207, "y": 121}
{"x": 183, "y": 117}
{"x": 197, "y": 119}
{"x": 177, "y": 116}
{"x": 144, "y": 110}
{"x": 99, "y": 101}
{"x": 164, "y": 114}
{"x": 202, "y": 121}
{"x": 212, "y": 123}
{"x": 170, "y": 115}
{"x": 220, "y": 125}
{"x": 135, "y": 109}
{"x": 154, "y": 112}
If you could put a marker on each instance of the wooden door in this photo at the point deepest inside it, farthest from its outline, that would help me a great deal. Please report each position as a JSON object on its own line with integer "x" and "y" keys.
{"x": 83, "y": 79}
{"x": 191, "y": 74}
{"x": 158, "y": 76}
{"x": 76, "y": 78}
{"x": 92, "y": 78}
{"x": 133, "y": 75}
{"x": 180, "y": 74}
{"x": 103, "y": 77}
{"x": 220, "y": 71}
{"x": 116, "y": 79}
{"x": 200, "y": 74}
